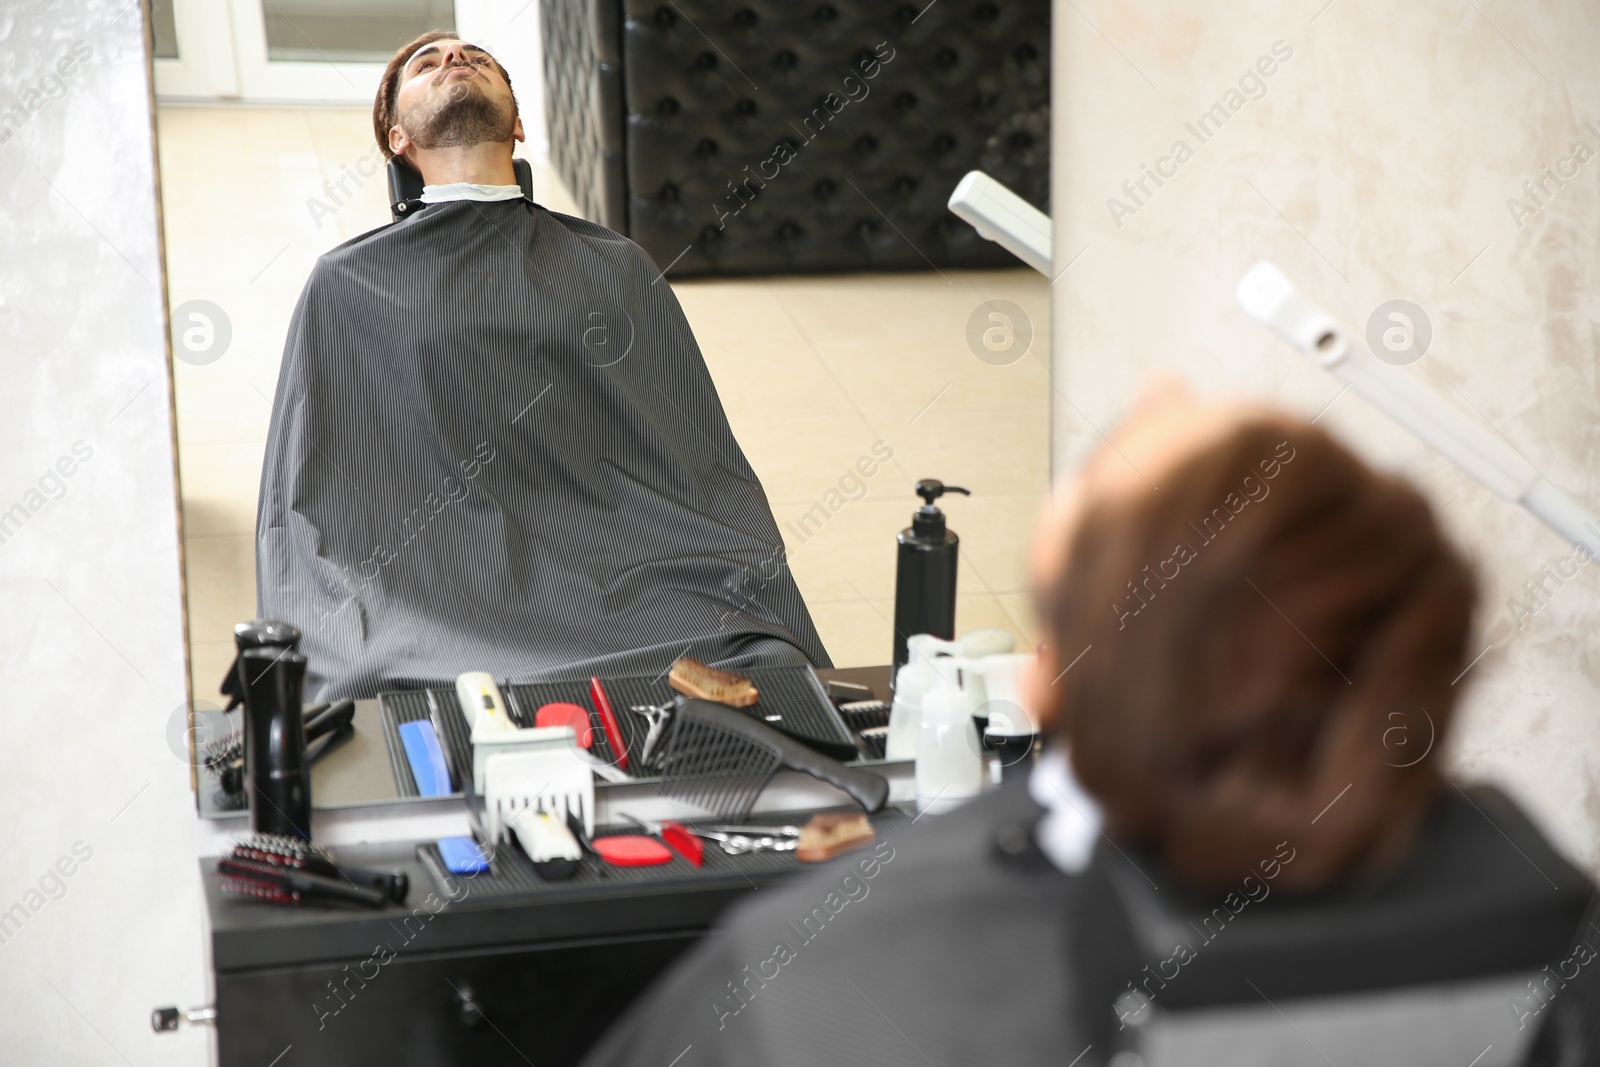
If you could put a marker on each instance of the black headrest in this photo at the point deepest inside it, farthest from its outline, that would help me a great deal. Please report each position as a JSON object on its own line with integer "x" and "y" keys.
{"x": 1481, "y": 894}
{"x": 405, "y": 186}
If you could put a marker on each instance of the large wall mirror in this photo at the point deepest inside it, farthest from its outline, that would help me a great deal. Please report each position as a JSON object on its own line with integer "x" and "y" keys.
{"x": 843, "y": 385}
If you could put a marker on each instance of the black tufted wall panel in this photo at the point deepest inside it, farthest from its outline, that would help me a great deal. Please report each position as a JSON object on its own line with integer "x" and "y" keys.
{"x": 582, "y": 42}
{"x": 773, "y": 136}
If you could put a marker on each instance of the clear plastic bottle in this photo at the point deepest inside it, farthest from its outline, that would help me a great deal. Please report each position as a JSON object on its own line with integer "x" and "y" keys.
{"x": 905, "y": 712}
{"x": 949, "y": 763}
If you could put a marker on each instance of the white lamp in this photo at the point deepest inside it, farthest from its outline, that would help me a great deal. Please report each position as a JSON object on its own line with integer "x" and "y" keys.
{"x": 1268, "y": 296}
{"x": 1001, "y": 216}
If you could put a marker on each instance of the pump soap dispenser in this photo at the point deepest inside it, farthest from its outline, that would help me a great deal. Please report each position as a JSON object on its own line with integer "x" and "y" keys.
{"x": 925, "y": 574}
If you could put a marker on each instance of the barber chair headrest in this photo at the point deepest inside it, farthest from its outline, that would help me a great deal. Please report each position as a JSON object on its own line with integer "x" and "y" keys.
{"x": 405, "y": 186}
{"x": 1396, "y": 972}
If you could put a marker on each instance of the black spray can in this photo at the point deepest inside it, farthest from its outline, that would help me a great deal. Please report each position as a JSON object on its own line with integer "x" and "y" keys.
{"x": 925, "y": 573}
{"x": 276, "y": 775}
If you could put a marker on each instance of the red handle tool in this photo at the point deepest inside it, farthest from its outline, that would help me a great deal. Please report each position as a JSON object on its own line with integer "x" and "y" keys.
{"x": 608, "y": 721}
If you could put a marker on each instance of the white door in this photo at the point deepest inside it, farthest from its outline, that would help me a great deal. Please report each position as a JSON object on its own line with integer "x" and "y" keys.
{"x": 287, "y": 51}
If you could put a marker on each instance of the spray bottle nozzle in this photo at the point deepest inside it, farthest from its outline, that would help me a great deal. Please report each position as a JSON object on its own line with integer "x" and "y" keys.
{"x": 931, "y": 489}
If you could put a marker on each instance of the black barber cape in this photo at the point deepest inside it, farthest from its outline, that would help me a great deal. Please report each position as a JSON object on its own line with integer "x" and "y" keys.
{"x": 946, "y": 943}
{"x": 495, "y": 446}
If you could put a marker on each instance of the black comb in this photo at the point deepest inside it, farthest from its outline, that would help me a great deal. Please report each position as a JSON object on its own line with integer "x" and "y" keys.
{"x": 720, "y": 759}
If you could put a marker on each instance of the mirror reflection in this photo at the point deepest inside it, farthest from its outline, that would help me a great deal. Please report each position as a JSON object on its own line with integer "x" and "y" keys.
{"x": 485, "y": 362}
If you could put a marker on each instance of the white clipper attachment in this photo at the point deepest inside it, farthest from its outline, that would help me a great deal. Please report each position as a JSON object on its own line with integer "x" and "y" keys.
{"x": 553, "y": 780}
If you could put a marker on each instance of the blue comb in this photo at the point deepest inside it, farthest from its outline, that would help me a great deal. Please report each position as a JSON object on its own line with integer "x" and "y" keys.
{"x": 428, "y": 767}
{"x": 462, "y": 855}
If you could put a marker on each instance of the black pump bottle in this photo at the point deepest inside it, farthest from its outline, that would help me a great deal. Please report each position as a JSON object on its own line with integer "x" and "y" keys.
{"x": 276, "y": 774}
{"x": 925, "y": 573}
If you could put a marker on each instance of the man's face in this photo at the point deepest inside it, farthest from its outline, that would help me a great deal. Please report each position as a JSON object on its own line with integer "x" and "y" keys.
{"x": 452, "y": 93}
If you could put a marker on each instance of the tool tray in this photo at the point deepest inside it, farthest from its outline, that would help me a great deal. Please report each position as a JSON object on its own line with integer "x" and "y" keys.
{"x": 513, "y": 875}
{"x": 792, "y": 693}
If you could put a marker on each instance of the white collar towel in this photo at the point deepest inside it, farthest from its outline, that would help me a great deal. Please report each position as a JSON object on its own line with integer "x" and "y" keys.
{"x": 438, "y": 194}
{"x": 1072, "y": 819}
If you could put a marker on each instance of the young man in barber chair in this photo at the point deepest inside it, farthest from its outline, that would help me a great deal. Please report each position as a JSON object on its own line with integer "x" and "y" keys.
{"x": 495, "y": 444}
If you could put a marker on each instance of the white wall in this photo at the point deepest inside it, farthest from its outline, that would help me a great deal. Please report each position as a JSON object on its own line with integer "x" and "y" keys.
{"x": 91, "y": 641}
{"x": 1377, "y": 165}
{"x": 510, "y": 30}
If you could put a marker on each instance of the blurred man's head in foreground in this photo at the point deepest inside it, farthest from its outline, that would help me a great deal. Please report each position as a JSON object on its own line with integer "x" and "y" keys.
{"x": 1269, "y": 633}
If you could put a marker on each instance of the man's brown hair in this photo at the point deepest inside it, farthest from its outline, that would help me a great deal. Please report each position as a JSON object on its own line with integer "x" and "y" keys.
{"x": 1275, "y": 635}
{"x": 384, "y": 115}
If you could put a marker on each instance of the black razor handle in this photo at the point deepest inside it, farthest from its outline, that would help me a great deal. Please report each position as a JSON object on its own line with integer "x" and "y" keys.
{"x": 318, "y": 887}
{"x": 394, "y": 885}
{"x": 870, "y": 790}
{"x": 323, "y": 719}
{"x": 277, "y": 776}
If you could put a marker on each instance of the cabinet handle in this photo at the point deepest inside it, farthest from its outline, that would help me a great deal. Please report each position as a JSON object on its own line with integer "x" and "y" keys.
{"x": 165, "y": 1020}
{"x": 471, "y": 1012}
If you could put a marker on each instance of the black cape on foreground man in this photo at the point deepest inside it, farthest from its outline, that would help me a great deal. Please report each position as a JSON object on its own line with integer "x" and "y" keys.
{"x": 495, "y": 446}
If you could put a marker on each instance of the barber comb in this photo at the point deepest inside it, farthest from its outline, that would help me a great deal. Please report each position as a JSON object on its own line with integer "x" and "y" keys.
{"x": 720, "y": 759}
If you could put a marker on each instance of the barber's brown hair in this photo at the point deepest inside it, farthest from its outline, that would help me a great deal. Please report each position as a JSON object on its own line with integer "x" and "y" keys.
{"x": 384, "y": 115}
{"x": 1275, "y": 632}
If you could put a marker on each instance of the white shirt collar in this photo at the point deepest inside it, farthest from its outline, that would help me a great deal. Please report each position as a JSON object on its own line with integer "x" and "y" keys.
{"x": 1072, "y": 818}
{"x": 438, "y": 194}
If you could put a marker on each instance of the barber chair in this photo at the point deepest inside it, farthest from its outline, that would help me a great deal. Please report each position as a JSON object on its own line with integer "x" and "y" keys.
{"x": 405, "y": 186}
{"x": 1459, "y": 958}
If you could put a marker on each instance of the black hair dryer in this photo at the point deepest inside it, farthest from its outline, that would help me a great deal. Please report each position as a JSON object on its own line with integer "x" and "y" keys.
{"x": 276, "y": 771}
{"x": 925, "y": 573}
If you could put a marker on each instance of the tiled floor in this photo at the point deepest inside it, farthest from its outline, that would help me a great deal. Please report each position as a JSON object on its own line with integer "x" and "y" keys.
{"x": 813, "y": 371}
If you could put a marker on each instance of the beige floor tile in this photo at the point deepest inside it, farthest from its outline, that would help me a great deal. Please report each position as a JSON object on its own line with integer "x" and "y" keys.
{"x": 856, "y": 633}
{"x": 226, "y": 410}
{"x": 803, "y": 460}
{"x": 208, "y": 662}
{"x": 843, "y": 307}
{"x": 911, "y": 372}
{"x": 992, "y": 451}
{"x": 1018, "y": 608}
{"x": 219, "y": 480}
{"x": 995, "y": 530}
{"x": 759, "y": 360}
{"x": 221, "y": 583}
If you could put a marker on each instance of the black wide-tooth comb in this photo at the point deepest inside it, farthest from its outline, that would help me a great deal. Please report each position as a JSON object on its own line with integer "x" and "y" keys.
{"x": 720, "y": 759}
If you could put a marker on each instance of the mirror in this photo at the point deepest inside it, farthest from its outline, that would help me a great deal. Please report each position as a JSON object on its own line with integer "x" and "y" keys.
{"x": 843, "y": 387}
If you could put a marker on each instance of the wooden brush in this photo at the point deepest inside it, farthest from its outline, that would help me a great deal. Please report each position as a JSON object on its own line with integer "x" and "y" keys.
{"x": 694, "y": 679}
{"x": 831, "y": 833}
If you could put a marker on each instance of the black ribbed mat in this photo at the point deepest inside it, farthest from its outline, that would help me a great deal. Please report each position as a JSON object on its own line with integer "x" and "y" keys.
{"x": 513, "y": 874}
{"x": 792, "y": 694}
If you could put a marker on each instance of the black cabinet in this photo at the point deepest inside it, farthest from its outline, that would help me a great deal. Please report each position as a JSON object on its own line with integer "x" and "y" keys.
{"x": 482, "y": 982}
{"x": 544, "y": 1004}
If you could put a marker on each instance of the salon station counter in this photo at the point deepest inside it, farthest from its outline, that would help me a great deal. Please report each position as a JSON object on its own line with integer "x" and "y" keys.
{"x": 484, "y": 969}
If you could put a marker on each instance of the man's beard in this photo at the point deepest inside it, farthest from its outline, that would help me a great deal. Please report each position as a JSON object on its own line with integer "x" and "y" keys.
{"x": 459, "y": 117}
